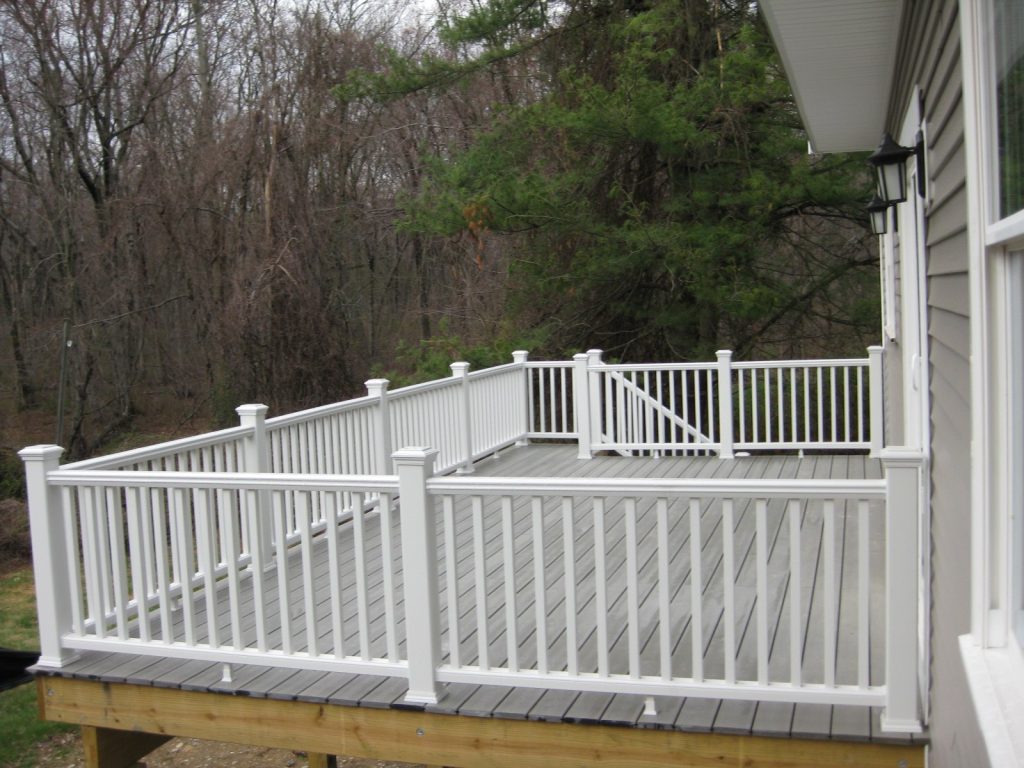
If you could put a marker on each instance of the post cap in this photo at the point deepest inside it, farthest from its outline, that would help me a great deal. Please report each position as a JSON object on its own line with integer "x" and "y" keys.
{"x": 520, "y": 356}
{"x": 415, "y": 455}
{"x": 724, "y": 353}
{"x": 251, "y": 409}
{"x": 376, "y": 386}
{"x": 459, "y": 369}
{"x": 41, "y": 453}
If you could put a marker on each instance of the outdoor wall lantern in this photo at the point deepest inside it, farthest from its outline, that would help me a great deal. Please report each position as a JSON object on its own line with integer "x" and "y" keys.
{"x": 889, "y": 161}
{"x": 878, "y": 210}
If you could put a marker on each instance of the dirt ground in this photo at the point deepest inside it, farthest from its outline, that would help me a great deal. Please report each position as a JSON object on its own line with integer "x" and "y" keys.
{"x": 65, "y": 751}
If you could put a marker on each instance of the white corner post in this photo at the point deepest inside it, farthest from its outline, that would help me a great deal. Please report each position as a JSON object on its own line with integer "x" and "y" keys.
{"x": 461, "y": 371}
{"x": 594, "y": 363}
{"x": 902, "y": 511}
{"x": 256, "y": 455}
{"x": 581, "y": 403}
{"x": 378, "y": 388}
{"x": 520, "y": 357}
{"x": 419, "y": 560}
{"x": 50, "y": 560}
{"x": 725, "y": 433}
{"x": 875, "y": 403}
{"x": 256, "y": 448}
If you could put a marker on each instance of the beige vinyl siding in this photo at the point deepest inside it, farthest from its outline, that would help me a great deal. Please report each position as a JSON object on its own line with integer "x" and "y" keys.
{"x": 930, "y": 58}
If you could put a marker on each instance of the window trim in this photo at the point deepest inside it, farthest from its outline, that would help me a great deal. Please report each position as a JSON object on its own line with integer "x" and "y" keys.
{"x": 991, "y": 654}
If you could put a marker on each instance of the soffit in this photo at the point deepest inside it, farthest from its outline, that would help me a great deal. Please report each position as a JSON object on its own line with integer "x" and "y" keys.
{"x": 839, "y": 56}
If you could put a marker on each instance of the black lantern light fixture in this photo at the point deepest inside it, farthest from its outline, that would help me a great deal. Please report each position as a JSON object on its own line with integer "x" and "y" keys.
{"x": 889, "y": 161}
{"x": 878, "y": 210}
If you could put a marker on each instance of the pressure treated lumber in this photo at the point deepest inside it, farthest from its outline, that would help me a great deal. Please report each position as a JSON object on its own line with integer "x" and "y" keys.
{"x": 422, "y": 737}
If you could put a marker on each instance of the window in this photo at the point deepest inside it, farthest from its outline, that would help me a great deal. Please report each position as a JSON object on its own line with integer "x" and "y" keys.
{"x": 1005, "y": 90}
{"x": 1008, "y": 32}
{"x": 992, "y": 49}
{"x": 1015, "y": 302}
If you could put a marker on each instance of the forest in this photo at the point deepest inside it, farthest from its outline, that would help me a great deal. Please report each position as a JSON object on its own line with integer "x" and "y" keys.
{"x": 210, "y": 202}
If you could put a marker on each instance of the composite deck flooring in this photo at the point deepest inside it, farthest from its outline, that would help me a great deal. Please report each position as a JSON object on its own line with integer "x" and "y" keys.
{"x": 510, "y": 532}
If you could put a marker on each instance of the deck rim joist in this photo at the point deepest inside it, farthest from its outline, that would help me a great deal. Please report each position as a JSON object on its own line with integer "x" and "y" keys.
{"x": 413, "y": 735}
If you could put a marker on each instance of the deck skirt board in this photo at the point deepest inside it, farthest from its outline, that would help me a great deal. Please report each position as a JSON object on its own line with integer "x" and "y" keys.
{"x": 506, "y": 537}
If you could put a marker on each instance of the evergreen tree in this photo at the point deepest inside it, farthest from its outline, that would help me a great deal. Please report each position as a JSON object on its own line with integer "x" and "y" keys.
{"x": 650, "y": 163}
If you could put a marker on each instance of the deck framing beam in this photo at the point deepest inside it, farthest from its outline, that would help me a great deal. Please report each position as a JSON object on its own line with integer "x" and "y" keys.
{"x": 418, "y": 737}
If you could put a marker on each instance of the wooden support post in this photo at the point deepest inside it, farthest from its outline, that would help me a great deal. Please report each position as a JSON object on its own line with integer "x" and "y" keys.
{"x": 520, "y": 357}
{"x": 256, "y": 455}
{"x": 725, "y": 434}
{"x": 109, "y": 748}
{"x": 877, "y": 399}
{"x": 49, "y": 553}
{"x": 461, "y": 371}
{"x": 902, "y": 712}
{"x": 378, "y": 388}
{"x": 581, "y": 404}
{"x": 419, "y": 559}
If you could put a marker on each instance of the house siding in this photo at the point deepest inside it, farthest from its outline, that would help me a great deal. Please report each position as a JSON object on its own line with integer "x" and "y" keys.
{"x": 930, "y": 58}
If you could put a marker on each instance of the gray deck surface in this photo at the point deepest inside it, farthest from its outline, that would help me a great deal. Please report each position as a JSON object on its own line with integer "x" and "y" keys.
{"x": 685, "y": 714}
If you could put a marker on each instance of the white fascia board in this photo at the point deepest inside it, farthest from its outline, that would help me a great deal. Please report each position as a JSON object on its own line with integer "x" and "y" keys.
{"x": 840, "y": 58}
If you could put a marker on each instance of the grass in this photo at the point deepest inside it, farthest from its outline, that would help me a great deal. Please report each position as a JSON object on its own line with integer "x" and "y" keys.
{"x": 20, "y": 725}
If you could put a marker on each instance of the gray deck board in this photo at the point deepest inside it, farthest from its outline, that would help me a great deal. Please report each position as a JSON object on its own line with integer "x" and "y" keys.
{"x": 689, "y": 714}
{"x": 518, "y": 704}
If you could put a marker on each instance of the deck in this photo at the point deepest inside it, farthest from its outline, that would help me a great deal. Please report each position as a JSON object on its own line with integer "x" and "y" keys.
{"x": 686, "y": 714}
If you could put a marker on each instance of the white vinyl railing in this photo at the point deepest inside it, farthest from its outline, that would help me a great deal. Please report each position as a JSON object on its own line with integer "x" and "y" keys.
{"x": 187, "y": 549}
{"x": 549, "y": 397}
{"x": 721, "y": 407}
{"x": 214, "y": 566}
{"x": 820, "y": 404}
{"x": 588, "y": 585}
{"x": 220, "y": 451}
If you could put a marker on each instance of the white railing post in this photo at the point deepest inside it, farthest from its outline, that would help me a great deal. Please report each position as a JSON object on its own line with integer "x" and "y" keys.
{"x": 581, "y": 403}
{"x": 378, "y": 388}
{"x": 875, "y": 404}
{"x": 902, "y": 511}
{"x": 419, "y": 561}
{"x": 256, "y": 455}
{"x": 50, "y": 560}
{"x": 461, "y": 371}
{"x": 256, "y": 449}
{"x": 519, "y": 357}
{"x": 594, "y": 362}
{"x": 725, "y": 435}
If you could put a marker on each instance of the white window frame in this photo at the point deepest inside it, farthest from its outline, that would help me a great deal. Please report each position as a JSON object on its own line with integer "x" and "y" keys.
{"x": 991, "y": 653}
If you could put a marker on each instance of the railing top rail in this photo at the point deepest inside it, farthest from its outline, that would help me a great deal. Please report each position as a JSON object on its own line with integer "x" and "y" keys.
{"x": 822, "y": 363}
{"x": 744, "y": 364}
{"x": 495, "y": 370}
{"x": 549, "y": 364}
{"x": 279, "y": 422}
{"x": 226, "y": 480}
{"x": 708, "y": 488}
{"x": 640, "y": 367}
{"x": 170, "y": 447}
{"x": 425, "y": 386}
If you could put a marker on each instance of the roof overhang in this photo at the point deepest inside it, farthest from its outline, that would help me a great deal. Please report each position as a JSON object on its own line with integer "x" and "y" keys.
{"x": 840, "y": 57}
